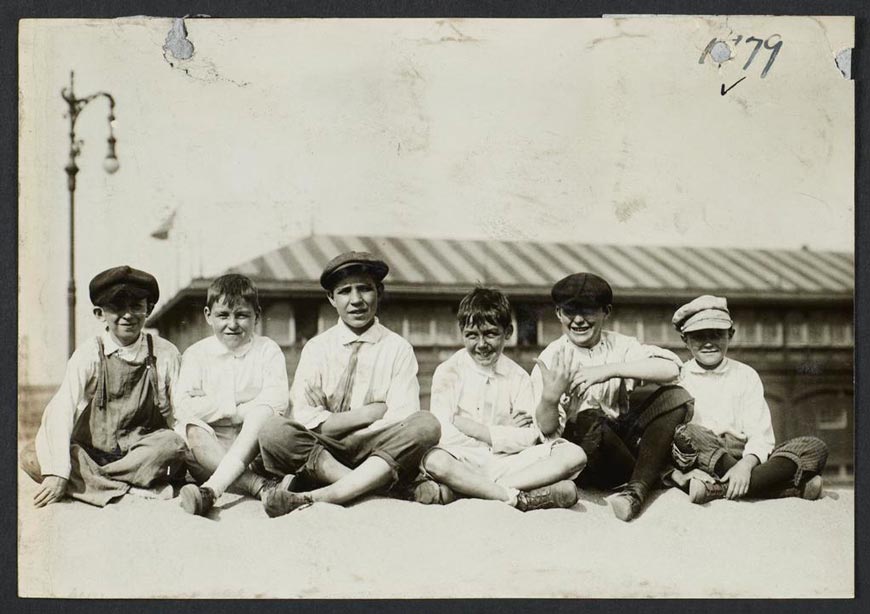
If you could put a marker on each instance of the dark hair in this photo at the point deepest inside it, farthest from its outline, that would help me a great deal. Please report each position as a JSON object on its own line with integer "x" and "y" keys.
{"x": 232, "y": 289}
{"x": 485, "y": 306}
{"x": 342, "y": 274}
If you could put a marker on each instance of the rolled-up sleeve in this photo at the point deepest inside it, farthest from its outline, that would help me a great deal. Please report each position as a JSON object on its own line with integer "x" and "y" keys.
{"x": 756, "y": 425}
{"x": 635, "y": 350}
{"x": 55, "y": 430}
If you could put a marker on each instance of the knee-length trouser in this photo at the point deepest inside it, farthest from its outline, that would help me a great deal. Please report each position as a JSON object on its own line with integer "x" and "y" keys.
{"x": 97, "y": 478}
{"x": 696, "y": 446}
{"x": 288, "y": 447}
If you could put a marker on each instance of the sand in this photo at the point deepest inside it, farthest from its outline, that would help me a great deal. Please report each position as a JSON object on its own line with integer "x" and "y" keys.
{"x": 388, "y": 548}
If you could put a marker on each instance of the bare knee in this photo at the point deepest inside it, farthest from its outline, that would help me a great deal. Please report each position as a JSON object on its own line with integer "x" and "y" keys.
{"x": 438, "y": 464}
{"x": 198, "y": 438}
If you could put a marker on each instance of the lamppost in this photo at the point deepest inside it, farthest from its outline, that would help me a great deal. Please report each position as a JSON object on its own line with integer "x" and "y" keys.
{"x": 110, "y": 164}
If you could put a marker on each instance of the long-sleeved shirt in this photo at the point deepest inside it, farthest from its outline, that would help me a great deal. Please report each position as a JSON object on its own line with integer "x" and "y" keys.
{"x": 78, "y": 388}
{"x": 386, "y": 372}
{"x": 232, "y": 381}
{"x": 611, "y": 397}
{"x": 730, "y": 399}
{"x": 489, "y": 396}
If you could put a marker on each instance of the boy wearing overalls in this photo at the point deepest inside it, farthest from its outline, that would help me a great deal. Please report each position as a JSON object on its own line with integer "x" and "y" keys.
{"x": 106, "y": 431}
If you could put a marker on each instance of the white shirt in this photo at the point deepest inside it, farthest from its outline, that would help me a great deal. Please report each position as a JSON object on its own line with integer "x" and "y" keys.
{"x": 253, "y": 375}
{"x": 386, "y": 372}
{"x": 489, "y": 396}
{"x": 80, "y": 384}
{"x": 611, "y": 396}
{"x": 730, "y": 399}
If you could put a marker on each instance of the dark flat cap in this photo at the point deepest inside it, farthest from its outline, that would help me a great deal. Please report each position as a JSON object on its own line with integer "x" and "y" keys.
{"x": 582, "y": 290}
{"x": 358, "y": 260}
{"x": 112, "y": 282}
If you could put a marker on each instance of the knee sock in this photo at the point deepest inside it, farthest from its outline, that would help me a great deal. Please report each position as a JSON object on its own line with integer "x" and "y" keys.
{"x": 654, "y": 452}
{"x": 226, "y": 473}
{"x": 771, "y": 477}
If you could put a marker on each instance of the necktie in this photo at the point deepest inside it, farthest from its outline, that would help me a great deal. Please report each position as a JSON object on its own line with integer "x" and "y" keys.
{"x": 344, "y": 389}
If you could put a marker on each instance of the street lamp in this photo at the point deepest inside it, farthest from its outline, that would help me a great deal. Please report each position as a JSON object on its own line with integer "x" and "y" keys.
{"x": 110, "y": 165}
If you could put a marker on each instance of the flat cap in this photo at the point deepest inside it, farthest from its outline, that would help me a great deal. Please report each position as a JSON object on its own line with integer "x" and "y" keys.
{"x": 360, "y": 260}
{"x": 702, "y": 313}
{"x": 111, "y": 282}
{"x": 582, "y": 290}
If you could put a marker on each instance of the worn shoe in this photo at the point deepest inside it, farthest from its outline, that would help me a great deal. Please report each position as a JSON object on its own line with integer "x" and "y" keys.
{"x": 288, "y": 483}
{"x": 278, "y": 502}
{"x": 196, "y": 500}
{"x": 627, "y": 503}
{"x": 702, "y": 492}
{"x": 430, "y": 492}
{"x": 561, "y": 494}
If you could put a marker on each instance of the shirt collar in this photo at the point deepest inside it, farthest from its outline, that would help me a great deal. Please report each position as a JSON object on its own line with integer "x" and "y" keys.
{"x": 216, "y": 348}
{"x": 110, "y": 346}
{"x": 501, "y": 366}
{"x": 693, "y": 367}
{"x": 374, "y": 333}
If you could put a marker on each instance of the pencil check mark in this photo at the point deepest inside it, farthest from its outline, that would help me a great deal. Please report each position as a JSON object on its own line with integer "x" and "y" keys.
{"x": 723, "y": 91}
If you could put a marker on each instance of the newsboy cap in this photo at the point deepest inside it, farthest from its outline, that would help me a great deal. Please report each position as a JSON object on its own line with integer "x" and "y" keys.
{"x": 108, "y": 284}
{"x": 582, "y": 290}
{"x": 702, "y": 313}
{"x": 361, "y": 260}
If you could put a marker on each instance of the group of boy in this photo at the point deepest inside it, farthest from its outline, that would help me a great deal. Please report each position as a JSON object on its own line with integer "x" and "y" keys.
{"x": 599, "y": 410}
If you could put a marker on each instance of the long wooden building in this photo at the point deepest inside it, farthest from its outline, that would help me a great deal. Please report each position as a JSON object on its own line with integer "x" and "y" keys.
{"x": 793, "y": 308}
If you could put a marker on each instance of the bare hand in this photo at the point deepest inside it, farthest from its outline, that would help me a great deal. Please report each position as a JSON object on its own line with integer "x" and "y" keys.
{"x": 556, "y": 378}
{"x": 53, "y": 489}
{"x": 521, "y": 419}
{"x": 738, "y": 479}
{"x": 586, "y": 376}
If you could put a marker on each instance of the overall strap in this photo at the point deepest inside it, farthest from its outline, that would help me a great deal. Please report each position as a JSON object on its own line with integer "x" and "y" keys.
{"x": 101, "y": 394}
{"x": 151, "y": 362}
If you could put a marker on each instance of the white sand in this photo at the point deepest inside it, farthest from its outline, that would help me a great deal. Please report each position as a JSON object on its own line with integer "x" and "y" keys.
{"x": 388, "y": 548}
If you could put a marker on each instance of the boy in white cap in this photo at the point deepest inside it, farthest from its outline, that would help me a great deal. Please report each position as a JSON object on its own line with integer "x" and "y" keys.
{"x": 730, "y": 436}
{"x": 356, "y": 424}
{"x": 105, "y": 432}
{"x": 490, "y": 447}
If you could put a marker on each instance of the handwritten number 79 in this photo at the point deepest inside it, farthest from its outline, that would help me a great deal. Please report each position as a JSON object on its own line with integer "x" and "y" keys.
{"x": 768, "y": 44}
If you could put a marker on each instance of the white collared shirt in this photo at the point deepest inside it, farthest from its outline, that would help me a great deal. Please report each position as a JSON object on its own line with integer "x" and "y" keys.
{"x": 386, "y": 372}
{"x": 255, "y": 374}
{"x": 78, "y": 388}
{"x": 489, "y": 396}
{"x": 611, "y": 396}
{"x": 730, "y": 399}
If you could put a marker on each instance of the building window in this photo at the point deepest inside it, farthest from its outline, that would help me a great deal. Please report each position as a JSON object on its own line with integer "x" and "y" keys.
{"x": 278, "y": 323}
{"x": 796, "y": 331}
{"x": 830, "y": 418}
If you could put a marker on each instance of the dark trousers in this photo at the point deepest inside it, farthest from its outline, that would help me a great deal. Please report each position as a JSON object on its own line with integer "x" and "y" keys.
{"x": 288, "y": 447}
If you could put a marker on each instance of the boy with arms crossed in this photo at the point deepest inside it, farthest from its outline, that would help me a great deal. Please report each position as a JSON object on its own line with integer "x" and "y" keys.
{"x": 105, "y": 432}
{"x": 490, "y": 448}
{"x": 229, "y": 385}
{"x": 730, "y": 436}
{"x": 357, "y": 425}
{"x": 586, "y": 386}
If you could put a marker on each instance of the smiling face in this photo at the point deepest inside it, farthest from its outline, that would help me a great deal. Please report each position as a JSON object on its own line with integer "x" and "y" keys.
{"x": 232, "y": 325}
{"x": 583, "y": 325}
{"x": 485, "y": 342}
{"x": 124, "y": 323}
{"x": 355, "y": 298}
{"x": 709, "y": 346}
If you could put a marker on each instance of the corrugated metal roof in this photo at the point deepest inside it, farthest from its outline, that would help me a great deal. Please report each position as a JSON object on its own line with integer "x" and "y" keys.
{"x": 529, "y": 265}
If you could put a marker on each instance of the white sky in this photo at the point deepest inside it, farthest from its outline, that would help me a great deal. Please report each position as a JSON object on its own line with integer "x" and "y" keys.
{"x": 598, "y": 130}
